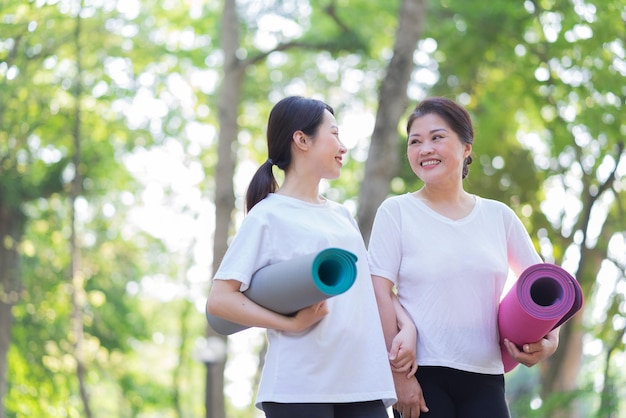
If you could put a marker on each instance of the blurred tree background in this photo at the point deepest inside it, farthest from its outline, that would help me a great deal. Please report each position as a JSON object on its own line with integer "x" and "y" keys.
{"x": 129, "y": 131}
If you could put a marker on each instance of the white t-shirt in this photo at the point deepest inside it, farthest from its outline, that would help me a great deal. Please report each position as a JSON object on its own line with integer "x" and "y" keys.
{"x": 341, "y": 359}
{"x": 450, "y": 275}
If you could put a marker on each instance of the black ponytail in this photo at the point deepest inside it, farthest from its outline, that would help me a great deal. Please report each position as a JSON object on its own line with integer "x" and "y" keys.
{"x": 291, "y": 114}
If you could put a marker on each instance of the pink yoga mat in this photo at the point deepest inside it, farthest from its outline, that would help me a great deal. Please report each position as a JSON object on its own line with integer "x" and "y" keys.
{"x": 544, "y": 297}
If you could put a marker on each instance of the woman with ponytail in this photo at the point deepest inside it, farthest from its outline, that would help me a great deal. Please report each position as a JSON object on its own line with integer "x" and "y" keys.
{"x": 328, "y": 360}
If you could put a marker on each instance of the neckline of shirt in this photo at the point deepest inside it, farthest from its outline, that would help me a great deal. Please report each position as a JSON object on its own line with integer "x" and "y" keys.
{"x": 422, "y": 205}
{"x": 295, "y": 200}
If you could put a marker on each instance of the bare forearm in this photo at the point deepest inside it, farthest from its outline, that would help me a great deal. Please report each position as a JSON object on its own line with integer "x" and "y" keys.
{"x": 238, "y": 308}
{"x": 386, "y": 309}
{"x": 227, "y": 302}
{"x": 404, "y": 320}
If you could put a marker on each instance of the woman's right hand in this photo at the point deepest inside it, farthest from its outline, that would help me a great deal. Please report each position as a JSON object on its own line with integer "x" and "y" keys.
{"x": 308, "y": 317}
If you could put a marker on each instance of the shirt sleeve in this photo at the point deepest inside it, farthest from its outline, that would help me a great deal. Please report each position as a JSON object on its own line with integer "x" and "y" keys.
{"x": 385, "y": 245}
{"x": 521, "y": 251}
{"x": 248, "y": 252}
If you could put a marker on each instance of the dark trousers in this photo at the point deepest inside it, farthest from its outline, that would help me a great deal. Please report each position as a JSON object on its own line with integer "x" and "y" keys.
{"x": 451, "y": 393}
{"x": 371, "y": 409}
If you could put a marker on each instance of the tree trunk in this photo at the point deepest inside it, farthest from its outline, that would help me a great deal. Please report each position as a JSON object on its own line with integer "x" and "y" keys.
{"x": 77, "y": 277}
{"x": 559, "y": 373}
{"x": 11, "y": 231}
{"x": 383, "y": 157}
{"x": 228, "y": 104}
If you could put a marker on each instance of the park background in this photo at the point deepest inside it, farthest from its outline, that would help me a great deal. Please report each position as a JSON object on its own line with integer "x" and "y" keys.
{"x": 129, "y": 131}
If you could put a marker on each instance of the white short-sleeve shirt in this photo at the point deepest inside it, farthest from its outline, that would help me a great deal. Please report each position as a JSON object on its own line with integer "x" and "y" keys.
{"x": 341, "y": 359}
{"x": 450, "y": 275}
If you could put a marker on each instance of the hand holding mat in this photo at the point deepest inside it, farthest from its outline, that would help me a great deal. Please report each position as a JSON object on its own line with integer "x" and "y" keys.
{"x": 544, "y": 297}
{"x": 294, "y": 284}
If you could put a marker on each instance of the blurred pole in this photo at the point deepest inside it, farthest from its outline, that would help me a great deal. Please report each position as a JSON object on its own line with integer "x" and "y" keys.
{"x": 212, "y": 352}
{"x": 208, "y": 388}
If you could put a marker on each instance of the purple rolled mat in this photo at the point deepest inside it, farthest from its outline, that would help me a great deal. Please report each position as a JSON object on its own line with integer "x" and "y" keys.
{"x": 544, "y": 297}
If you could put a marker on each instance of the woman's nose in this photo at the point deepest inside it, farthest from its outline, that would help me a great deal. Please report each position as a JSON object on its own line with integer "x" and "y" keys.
{"x": 426, "y": 149}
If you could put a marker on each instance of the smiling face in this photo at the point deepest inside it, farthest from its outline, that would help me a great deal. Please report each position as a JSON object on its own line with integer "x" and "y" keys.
{"x": 327, "y": 150}
{"x": 434, "y": 150}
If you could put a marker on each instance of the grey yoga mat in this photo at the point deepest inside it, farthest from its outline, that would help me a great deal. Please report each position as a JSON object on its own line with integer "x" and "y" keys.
{"x": 291, "y": 285}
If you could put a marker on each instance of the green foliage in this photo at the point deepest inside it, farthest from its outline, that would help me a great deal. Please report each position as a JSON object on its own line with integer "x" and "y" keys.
{"x": 545, "y": 89}
{"x": 525, "y": 70}
{"x": 38, "y": 73}
{"x": 543, "y": 82}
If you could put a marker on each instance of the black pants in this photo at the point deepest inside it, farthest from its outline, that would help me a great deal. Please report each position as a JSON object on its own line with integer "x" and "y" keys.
{"x": 372, "y": 409}
{"x": 451, "y": 393}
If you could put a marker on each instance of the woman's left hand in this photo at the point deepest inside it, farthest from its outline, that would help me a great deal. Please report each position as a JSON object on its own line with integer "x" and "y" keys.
{"x": 402, "y": 352}
{"x": 533, "y": 353}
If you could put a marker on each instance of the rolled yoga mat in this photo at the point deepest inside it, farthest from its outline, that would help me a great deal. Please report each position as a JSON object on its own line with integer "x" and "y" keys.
{"x": 291, "y": 285}
{"x": 544, "y": 297}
